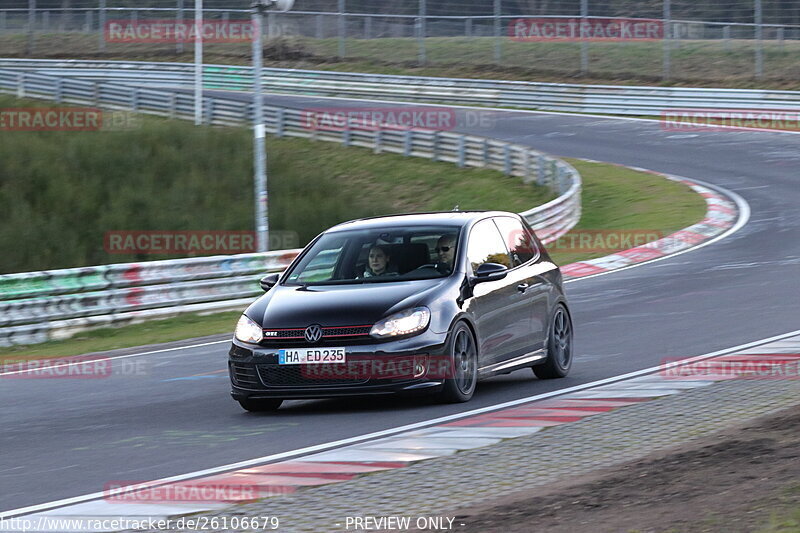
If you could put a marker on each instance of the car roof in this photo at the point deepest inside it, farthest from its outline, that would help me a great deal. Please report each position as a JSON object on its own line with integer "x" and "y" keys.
{"x": 447, "y": 218}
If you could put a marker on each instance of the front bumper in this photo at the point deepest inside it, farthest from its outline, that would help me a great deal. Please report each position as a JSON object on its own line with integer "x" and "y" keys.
{"x": 377, "y": 368}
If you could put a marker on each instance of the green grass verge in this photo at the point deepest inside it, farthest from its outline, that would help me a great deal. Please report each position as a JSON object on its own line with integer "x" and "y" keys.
{"x": 628, "y": 201}
{"x": 694, "y": 63}
{"x": 60, "y": 192}
{"x": 613, "y": 198}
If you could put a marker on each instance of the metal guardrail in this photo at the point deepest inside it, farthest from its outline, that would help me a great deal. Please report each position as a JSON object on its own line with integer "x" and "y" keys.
{"x": 608, "y": 99}
{"x": 38, "y": 306}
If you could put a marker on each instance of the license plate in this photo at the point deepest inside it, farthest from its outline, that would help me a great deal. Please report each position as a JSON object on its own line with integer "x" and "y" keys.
{"x": 311, "y": 356}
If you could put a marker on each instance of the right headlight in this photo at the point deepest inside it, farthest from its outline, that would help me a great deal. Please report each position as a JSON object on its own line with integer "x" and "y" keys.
{"x": 248, "y": 331}
{"x": 402, "y": 323}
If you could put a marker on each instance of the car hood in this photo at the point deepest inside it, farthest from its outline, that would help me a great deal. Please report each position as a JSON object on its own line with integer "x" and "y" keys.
{"x": 340, "y": 305}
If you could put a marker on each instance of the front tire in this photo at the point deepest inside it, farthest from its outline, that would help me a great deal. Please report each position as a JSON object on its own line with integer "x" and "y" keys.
{"x": 559, "y": 347}
{"x": 260, "y": 405}
{"x": 459, "y": 384}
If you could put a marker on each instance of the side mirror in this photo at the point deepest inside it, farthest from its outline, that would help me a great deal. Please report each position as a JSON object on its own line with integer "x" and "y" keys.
{"x": 269, "y": 281}
{"x": 490, "y": 272}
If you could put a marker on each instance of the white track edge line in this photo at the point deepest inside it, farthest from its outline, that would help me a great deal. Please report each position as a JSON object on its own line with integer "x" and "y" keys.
{"x": 400, "y": 429}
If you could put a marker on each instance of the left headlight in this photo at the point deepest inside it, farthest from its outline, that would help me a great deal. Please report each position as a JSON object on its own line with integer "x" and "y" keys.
{"x": 248, "y": 331}
{"x": 402, "y": 323}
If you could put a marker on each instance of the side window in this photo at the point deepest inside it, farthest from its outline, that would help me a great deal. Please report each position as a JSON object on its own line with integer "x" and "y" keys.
{"x": 486, "y": 245}
{"x": 518, "y": 240}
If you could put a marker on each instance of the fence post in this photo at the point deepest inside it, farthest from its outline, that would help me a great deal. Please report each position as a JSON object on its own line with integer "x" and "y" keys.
{"x": 59, "y": 96}
{"x": 179, "y": 21}
{"x": 584, "y": 42}
{"x": 498, "y": 37}
{"x": 31, "y": 25}
{"x": 45, "y": 21}
{"x": 346, "y": 134}
{"x": 368, "y": 27}
{"x": 435, "y": 146}
{"x": 21, "y": 85}
{"x": 101, "y": 25}
{"x": 173, "y": 105}
{"x": 462, "y": 150}
{"x": 726, "y": 37}
{"x": 96, "y": 94}
{"x": 667, "y": 34}
{"x": 209, "y": 111}
{"x": 2, "y": 21}
{"x": 486, "y": 154}
{"x": 468, "y": 27}
{"x": 87, "y": 22}
{"x": 408, "y": 143}
{"x": 342, "y": 28}
{"x": 507, "y": 160}
{"x": 541, "y": 170}
{"x": 421, "y": 31}
{"x": 319, "y": 19}
{"x": 759, "y": 40}
{"x": 280, "y": 121}
{"x": 779, "y": 37}
{"x": 378, "y": 141}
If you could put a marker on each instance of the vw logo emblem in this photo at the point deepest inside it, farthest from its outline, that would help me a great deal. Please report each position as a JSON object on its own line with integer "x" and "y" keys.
{"x": 313, "y": 333}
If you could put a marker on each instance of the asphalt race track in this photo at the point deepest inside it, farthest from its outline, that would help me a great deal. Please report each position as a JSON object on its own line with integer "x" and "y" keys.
{"x": 67, "y": 437}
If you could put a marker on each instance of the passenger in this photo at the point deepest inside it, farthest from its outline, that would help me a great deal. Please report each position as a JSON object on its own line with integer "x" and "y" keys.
{"x": 378, "y": 263}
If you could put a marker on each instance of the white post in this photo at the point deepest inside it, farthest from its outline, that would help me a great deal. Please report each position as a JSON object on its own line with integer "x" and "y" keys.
{"x": 198, "y": 62}
{"x": 259, "y": 134}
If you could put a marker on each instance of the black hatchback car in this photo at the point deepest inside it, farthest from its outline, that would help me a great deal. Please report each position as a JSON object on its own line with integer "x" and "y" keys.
{"x": 407, "y": 303}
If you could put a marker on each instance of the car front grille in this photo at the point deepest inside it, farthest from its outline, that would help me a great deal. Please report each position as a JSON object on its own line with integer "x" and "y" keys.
{"x": 298, "y": 376}
{"x": 330, "y": 336}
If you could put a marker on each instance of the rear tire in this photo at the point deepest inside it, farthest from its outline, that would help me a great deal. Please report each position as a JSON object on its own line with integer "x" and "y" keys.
{"x": 459, "y": 385}
{"x": 559, "y": 347}
{"x": 260, "y": 405}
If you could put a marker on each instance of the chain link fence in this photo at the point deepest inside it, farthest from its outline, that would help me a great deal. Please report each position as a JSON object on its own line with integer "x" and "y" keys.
{"x": 658, "y": 39}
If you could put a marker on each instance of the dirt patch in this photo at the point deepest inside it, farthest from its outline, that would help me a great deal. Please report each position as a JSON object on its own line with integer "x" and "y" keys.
{"x": 732, "y": 482}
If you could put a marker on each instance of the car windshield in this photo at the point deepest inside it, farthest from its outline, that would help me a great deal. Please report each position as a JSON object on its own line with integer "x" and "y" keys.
{"x": 379, "y": 255}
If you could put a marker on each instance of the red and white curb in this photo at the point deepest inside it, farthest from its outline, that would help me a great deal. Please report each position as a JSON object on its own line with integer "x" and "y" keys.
{"x": 722, "y": 214}
{"x": 779, "y": 358}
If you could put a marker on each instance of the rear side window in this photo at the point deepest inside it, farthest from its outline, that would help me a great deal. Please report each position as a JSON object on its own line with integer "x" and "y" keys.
{"x": 518, "y": 239}
{"x": 486, "y": 245}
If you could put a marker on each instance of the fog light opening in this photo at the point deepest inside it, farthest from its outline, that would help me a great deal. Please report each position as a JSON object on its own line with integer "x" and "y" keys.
{"x": 419, "y": 367}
